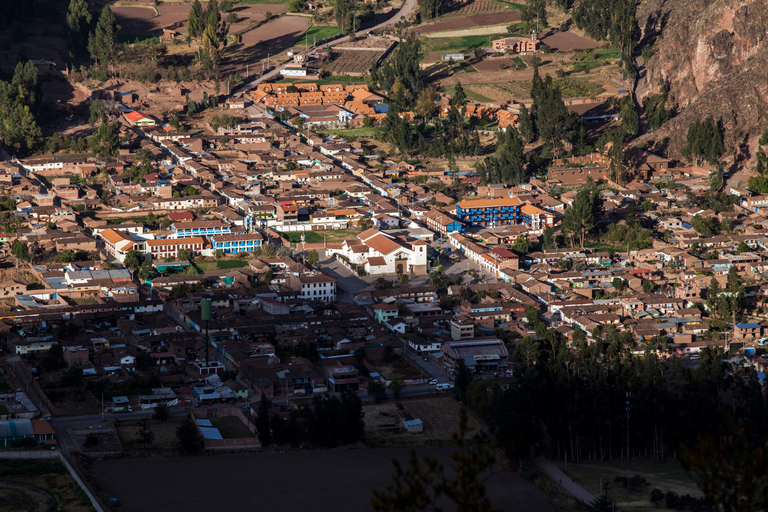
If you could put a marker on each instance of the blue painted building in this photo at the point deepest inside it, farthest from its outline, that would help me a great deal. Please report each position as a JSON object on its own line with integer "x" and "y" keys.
{"x": 244, "y": 242}
{"x": 490, "y": 212}
{"x": 200, "y": 228}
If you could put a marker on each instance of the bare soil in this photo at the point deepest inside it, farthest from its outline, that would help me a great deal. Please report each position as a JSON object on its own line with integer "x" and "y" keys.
{"x": 568, "y": 41}
{"x": 494, "y": 64}
{"x": 479, "y": 20}
{"x": 351, "y": 62}
{"x": 440, "y": 415}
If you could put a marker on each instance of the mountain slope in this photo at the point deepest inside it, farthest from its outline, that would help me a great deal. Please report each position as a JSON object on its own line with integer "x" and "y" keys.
{"x": 715, "y": 55}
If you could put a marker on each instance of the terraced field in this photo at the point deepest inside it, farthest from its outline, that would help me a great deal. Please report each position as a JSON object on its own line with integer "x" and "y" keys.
{"x": 351, "y": 62}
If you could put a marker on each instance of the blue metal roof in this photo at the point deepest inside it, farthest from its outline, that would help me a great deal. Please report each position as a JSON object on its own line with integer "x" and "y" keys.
{"x": 748, "y": 326}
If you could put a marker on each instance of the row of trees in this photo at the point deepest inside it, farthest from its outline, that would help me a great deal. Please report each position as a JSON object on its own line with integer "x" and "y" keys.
{"x": 612, "y": 20}
{"x": 208, "y": 26}
{"x": 19, "y": 108}
{"x": 579, "y": 398}
{"x": 330, "y": 421}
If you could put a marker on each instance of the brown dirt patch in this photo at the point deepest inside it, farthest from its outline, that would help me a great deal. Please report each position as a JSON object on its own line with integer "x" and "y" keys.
{"x": 440, "y": 415}
{"x": 568, "y": 41}
{"x": 130, "y": 15}
{"x": 463, "y": 22}
{"x": 287, "y": 28}
{"x": 494, "y": 64}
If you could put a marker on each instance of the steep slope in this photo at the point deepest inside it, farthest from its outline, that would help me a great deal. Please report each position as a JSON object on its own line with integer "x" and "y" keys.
{"x": 715, "y": 55}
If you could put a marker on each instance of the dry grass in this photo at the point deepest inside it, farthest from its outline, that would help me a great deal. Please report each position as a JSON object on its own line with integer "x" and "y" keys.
{"x": 440, "y": 414}
{"x": 230, "y": 427}
{"x": 399, "y": 368}
{"x": 165, "y": 432}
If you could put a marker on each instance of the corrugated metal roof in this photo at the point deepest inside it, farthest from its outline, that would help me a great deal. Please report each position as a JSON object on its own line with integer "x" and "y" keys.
{"x": 210, "y": 433}
{"x": 204, "y": 423}
{"x": 14, "y": 428}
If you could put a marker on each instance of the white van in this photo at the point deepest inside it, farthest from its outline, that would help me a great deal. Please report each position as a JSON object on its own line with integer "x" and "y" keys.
{"x": 444, "y": 387}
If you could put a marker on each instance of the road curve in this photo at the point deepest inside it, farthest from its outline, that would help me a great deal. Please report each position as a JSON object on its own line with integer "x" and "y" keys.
{"x": 405, "y": 10}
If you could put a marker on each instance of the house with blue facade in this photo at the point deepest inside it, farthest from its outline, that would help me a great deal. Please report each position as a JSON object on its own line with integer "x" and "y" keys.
{"x": 200, "y": 228}
{"x": 442, "y": 222}
{"x": 502, "y": 211}
{"x": 241, "y": 242}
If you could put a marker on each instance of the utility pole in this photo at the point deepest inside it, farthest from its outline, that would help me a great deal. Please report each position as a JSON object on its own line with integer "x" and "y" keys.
{"x": 629, "y": 394}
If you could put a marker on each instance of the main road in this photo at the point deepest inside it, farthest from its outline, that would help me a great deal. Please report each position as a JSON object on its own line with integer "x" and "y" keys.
{"x": 405, "y": 10}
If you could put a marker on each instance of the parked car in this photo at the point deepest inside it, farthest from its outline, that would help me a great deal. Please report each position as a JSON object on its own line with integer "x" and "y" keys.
{"x": 433, "y": 382}
{"x": 425, "y": 358}
{"x": 444, "y": 387}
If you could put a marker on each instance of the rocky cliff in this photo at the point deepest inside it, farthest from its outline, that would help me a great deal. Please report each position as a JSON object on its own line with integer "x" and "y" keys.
{"x": 715, "y": 55}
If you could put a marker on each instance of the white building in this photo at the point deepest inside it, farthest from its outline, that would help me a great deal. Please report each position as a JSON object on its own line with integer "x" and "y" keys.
{"x": 381, "y": 253}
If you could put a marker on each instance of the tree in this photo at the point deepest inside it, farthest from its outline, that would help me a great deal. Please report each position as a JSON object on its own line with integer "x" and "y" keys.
{"x": 262, "y": 421}
{"x": 382, "y": 283}
{"x": 522, "y": 245}
{"x": 378, "y": 391}
{"x": 195, "y": 20}
{"x": 417, "y": 488}
{"x": 102, "y": 43}
{"x": 462, "y": 381}
{"x": 581, "y": 216}
{"x": 425, "y": 103}
{"x": 397, "y": 387}
{"x": 704, "y": 141}
{"x": 145, "y": 434}
{"x": 162, "y": 412}
{"x": 313, "y": 257}
{"x": 78, "y": 24}
{"x": 534, "y": 15}
{"x": 20, "y": 250}
{"x": 429, "y": 9}
{"x": 189, "y": 437}
{"x": 184, "y": 255}
{"x": 549, "y": 112}
{"x": 403, "y": 279}
{"x": 133, "y": 259}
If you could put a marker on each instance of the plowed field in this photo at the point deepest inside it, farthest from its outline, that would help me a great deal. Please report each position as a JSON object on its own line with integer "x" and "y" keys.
{"x": 464, "y": 22}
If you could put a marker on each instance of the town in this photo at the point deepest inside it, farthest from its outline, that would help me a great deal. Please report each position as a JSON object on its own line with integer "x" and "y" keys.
{"x": 335, "y": 248}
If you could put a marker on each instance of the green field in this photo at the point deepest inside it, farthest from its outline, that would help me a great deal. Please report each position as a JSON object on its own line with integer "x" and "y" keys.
{"x": 331, "y": 235}
{"x": 352, "y": 132}
{"x": 514, "y": 5}
{"x": 594, "y": 59}
{"x": 471, "y": 95}
{"x": 222, "y": 265}
{"x": 317, "y": 34}
{"x": 665, "y": 474}
{"x": 132, "y": 37}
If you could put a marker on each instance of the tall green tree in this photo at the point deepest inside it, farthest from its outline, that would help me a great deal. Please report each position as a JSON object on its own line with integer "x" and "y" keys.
{"x": 581, "y": 216}
{"x": 429, "y": 9}
{"x": 102, "y": 42}
{"x": 549, "y": 112}
{"x": 195, "y": 20}
{"x": 78, "y": 25}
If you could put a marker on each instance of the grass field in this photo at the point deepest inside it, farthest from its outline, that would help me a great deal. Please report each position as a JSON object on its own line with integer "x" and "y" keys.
{"x": 666, "y": 475}
{"x": 440, "y": 414}
{"x": 594, "y": 59}
{"x": 165, "y": 432}
{"x": 222, "y": 265}
{"x": 316, "y": 34}
{"x": 39, "y": 485}
{"x": 471, "y": 95}
{"x": 331, "y": 235}
{"x": 353, "y": 132}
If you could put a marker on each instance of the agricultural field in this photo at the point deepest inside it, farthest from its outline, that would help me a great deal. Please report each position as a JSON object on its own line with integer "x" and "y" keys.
{"x": 226, "y": 482}
{"x": 39, "y": 485}
{"x": 440, "y": 414}
{"x": 477, "y": 7}
{"x": 467, "y": 22}
{"x": 351, "y": 62}
{"x": 316, "y": 34}
{"x": 494, "y": 64}
{"x": 568, "y": 41}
